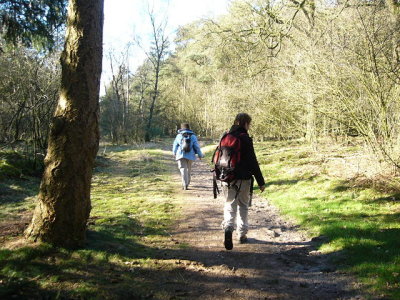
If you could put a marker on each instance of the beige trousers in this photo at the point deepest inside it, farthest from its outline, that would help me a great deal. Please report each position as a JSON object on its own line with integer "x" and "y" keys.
{"x": 185, "y": 167}
{"x": 237, "y": 199}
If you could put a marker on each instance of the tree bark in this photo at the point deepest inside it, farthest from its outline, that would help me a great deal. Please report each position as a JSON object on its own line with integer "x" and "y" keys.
{"x": 64, "y": 205}
{"x": 153, "y": 102}
{"x": 311, "y": 127}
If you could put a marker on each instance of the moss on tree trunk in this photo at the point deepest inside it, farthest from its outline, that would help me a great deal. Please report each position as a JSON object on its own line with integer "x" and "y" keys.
{"x": 64, "y": 205}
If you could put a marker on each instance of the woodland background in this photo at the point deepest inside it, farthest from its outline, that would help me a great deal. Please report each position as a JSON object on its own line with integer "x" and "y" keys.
{"x": 319, "y": 77}
{"x": 302, "y": 69}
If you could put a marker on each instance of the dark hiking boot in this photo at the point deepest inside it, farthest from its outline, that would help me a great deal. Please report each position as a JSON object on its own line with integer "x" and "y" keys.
{"x": 228, "y": 240}
{"x": 243, "y": 239}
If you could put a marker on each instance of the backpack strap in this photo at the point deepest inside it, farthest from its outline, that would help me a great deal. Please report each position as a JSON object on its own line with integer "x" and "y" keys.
{"x": 215, "y": 186}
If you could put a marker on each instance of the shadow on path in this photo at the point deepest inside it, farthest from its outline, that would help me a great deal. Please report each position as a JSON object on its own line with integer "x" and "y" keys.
{"x": 278, "y": 262}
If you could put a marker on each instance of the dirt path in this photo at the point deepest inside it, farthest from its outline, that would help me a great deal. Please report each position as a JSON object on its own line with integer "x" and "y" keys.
{"x": 279, "y": 262}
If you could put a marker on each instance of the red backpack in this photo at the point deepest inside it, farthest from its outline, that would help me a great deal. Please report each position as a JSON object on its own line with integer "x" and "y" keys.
{"x": 226, "y": 158}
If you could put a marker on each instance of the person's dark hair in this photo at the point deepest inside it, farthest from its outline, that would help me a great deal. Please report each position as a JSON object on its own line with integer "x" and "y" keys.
{"x": 241, "y": 119}
{"x": 185, "y": 126}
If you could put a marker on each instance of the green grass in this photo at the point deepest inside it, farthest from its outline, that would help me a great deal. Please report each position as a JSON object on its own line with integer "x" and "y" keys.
{"x": 133, "y": 207}
{"x": 360, "y": 223}
{"x": 16, "y": 165}
{"x": 19, "y": 184}
{"x": 17, "y": 196}
{"x": 132, "y": 210}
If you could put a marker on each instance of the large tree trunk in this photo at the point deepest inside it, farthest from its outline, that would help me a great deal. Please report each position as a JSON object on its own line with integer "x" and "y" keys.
{"x": 63, "y": 205}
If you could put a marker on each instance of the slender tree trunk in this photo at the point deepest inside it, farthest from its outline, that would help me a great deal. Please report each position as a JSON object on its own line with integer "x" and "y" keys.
{"x": 153, "y": 102}
{"x": 311, "y": 131}
{"x": 311, "y": 127}
{"x": 156, "y": 56}
{"x": 119, "y": 103}
{"x": 63, "y": 205}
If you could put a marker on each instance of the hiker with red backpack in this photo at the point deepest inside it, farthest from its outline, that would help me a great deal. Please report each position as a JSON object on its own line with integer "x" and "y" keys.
{"x": 185, "y": 148}
{"x": 235, "y": 165}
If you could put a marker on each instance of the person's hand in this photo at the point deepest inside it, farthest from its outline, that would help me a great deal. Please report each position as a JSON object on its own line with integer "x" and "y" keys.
{"x": 262, "y": 188}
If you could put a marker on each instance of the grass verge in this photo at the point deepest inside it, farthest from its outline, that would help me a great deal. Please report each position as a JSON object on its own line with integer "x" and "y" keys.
{"x": 132, "y": 209}
{"x": 357, "y": 218}
{"x": 19, "y": 184}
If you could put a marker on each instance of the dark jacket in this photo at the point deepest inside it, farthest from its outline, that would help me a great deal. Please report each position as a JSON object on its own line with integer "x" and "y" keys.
{"x": 248, "y": 164}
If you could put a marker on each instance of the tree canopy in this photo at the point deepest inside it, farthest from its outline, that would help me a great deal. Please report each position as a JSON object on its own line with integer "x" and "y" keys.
{"x": 32, "y": 22}
{"x": 311, "y": 69}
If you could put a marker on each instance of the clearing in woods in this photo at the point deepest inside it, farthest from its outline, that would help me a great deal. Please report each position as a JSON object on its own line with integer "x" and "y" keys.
{"x": 148, "y": 239}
